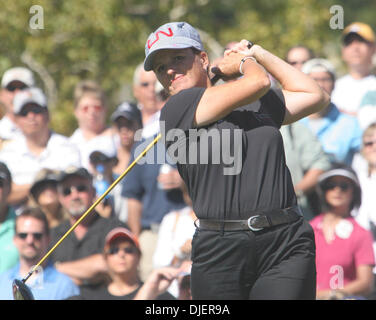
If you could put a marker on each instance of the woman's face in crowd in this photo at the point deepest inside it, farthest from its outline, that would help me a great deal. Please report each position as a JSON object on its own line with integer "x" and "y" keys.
{"x": 122, "y": 257}
{"x": 91, "y": 113}
{"x": 126, "y": 130}
{"x": 369, "y": 148}
{"x": 339, "y": 192}
{"x": 179, "y": 69}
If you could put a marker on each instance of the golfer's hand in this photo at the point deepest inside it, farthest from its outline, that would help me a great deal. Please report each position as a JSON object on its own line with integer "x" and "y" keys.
{"x": 228, "y": 66}
{"x": 242, "y": 47}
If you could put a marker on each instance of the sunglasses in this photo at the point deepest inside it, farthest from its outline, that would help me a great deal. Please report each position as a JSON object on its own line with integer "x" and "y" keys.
{"x": 13, "y": 87}
{"x": 34, "y": 109}
{"x": 344, "y": 186}
{"x": 68, "y": 190}
{"x": 294, "y": 63}
{"x": 97, "y": 108}
{"x": 35, "y": 235}
{"x": 369, "y": 143}
{"x": 146, "y": 84}
{"x": 127, "y": 250}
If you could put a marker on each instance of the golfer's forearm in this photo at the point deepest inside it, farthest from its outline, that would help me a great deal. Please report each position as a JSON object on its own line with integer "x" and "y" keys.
{"x": 85, "y": 268}
{"x": 290, "y": 78}
{"x": 219, "y": 101}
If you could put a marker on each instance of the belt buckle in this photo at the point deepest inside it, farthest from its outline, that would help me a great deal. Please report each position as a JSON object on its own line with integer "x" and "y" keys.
{"x": 250, "y": 221}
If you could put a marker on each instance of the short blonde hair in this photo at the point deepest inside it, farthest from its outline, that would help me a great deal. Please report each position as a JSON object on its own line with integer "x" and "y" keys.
{"x": 88, "y": 87}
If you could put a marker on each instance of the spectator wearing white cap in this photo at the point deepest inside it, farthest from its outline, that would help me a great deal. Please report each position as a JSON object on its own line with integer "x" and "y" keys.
{"x": 358, "y": 41}
{"x": 13, "y": 80}
{"x": 38, "y": 148}
{"x": 90, "y": 109}
{"x": 339, "y": 133}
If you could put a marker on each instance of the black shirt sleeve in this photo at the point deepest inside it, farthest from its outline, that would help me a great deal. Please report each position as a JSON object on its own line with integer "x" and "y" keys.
{"x": 273, "y": 103}
{"x": 179, "y": 111}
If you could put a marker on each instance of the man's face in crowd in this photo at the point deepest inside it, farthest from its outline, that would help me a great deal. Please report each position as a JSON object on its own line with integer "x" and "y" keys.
{"x": 31, "y": 239}
{"x": 144, "y": 90}
{"x": 32, "y": 119}
{"x": 91, "y": 113}
{"x": 357, "y": 52}
{"x": 297, "y": 57}
{"x": 76, "y": 194}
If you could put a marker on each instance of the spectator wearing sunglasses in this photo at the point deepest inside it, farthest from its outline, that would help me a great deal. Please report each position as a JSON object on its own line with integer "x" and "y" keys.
{"x": 90, "y": 110}
{"x": 298, "y": 55}
{"x": 38, "y": 148}
{"x": 122, "y": 256}
{"x": 344, "y": 254}
{"x": 32, "y": 239}
{"x": 80, "y": 254}
{"x": 13, "y": 80}
{"x": 8, "y": 252}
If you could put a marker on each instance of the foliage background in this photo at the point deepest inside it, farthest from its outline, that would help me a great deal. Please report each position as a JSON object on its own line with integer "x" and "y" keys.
{"x": 104, "y": 40}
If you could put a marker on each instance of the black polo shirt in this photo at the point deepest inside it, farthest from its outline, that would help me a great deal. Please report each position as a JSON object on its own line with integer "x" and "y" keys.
{"x": 93, "y": 242}
{"x": 258, "y": 178}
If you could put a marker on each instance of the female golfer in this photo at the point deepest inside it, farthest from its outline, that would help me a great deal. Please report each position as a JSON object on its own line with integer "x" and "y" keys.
{"x": 251, "y": 241}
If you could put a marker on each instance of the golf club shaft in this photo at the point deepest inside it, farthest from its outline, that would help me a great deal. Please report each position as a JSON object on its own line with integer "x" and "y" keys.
{"x": 93, "y": 206}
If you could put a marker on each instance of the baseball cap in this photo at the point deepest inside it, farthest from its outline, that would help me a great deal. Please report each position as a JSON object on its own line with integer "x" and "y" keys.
{"x": 42, "y": 176}
{"x": 361, "y": 29}
{"x": 121, "y": 232}
{"x": 318, "y": 65}
{"x": 32, "y": 95}
{"x": 74, "y": 171}
{"x": 172, "y": 35}
{"x": 128, "y": 111}
{"x": 18, "y": 74}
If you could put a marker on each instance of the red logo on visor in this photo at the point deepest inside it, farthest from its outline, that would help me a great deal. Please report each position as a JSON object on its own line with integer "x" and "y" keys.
{"x": 170, "y": 34}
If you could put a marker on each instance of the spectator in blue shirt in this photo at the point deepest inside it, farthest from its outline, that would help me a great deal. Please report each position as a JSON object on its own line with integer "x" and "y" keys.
{"x": 32, "y": 240}
{"x": 339, "y": 133}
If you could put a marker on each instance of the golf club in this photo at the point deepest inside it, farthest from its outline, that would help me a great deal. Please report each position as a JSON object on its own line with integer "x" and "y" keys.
{"x": 20, "y": 290}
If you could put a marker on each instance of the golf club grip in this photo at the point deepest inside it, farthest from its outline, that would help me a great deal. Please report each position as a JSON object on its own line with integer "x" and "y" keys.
{"x": 142, "y": 154}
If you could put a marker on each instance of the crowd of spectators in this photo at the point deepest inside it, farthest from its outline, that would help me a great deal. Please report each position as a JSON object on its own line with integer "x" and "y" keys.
{"x": 136, "y": 244}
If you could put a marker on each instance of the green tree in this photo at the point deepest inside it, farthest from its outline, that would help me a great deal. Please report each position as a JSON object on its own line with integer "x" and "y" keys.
{"x": 104, "y": 40}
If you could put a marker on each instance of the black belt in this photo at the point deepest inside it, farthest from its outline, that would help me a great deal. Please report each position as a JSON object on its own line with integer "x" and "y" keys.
{"x": 257, "y": 222}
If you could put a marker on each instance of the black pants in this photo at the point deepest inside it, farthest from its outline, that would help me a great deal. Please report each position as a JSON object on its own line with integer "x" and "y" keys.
{"x": 274, "y": 263}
